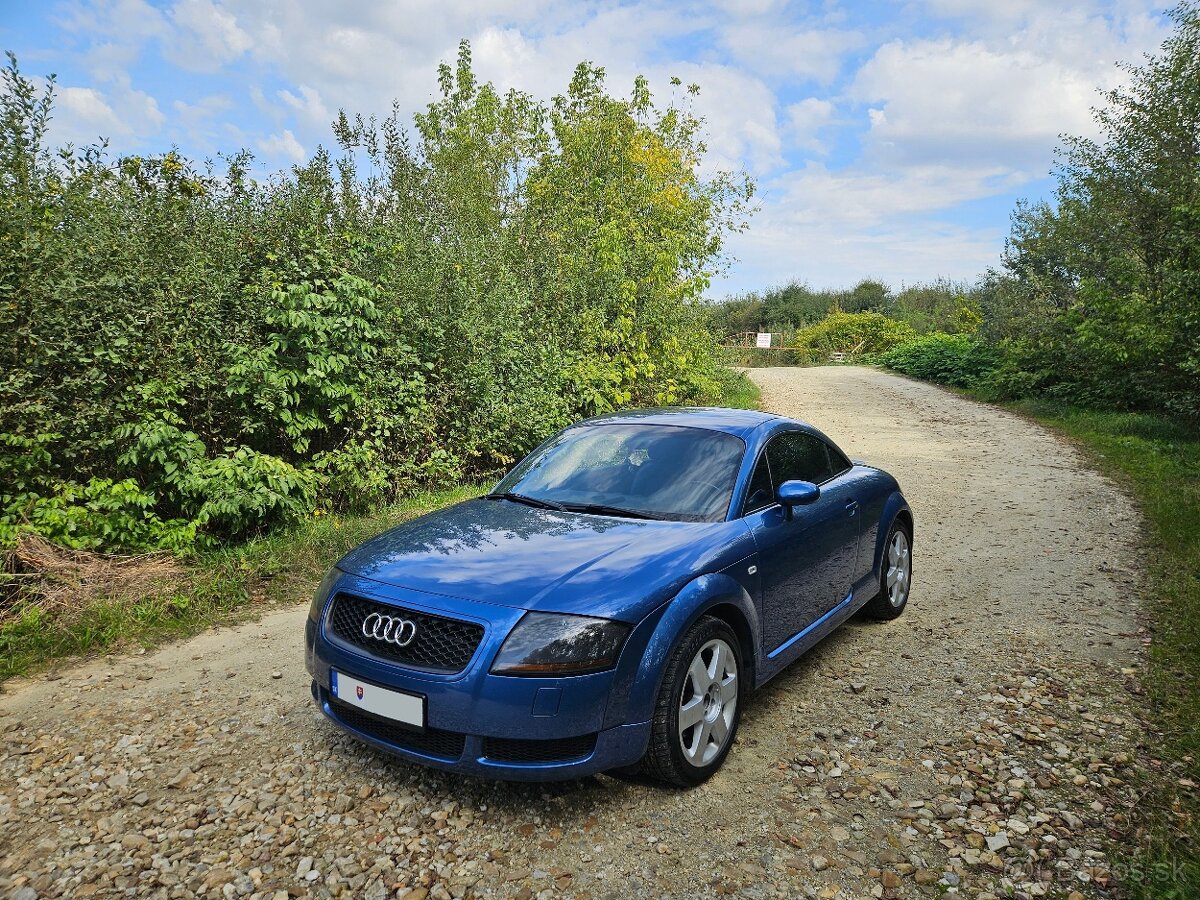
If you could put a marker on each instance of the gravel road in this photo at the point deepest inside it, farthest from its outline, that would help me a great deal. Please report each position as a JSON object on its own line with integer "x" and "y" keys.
{"x": 980, "y": 745}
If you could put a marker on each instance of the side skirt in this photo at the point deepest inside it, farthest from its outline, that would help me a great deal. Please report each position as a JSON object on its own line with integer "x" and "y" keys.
{"x": 798, "y": 644}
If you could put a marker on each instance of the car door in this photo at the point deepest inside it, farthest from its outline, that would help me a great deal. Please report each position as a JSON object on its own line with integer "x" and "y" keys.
{"x": 806, "y": 562}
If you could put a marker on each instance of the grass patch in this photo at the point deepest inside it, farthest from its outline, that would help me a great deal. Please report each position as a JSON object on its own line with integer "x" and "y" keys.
{"x": 217, "y": 587}
{"x": 735, "y": 390}
{"x": 1158, "y": 459}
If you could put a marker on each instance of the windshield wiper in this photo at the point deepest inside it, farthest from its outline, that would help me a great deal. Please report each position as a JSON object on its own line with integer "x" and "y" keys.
{"x": 604, "y": 510}
{"x": 536, "y": 502}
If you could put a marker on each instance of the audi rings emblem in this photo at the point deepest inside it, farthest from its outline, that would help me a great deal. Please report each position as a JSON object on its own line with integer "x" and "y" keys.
{"x": 392, "y": 629}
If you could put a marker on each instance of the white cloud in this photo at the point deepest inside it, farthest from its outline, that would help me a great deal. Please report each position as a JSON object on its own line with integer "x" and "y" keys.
{"x": 362, "y": 56}
{"x": 777, "y": 48}
{"x": 858, "y": 199}
{"x": 749, "y": 7}
{"x": 272, "y": 111}
{"x": 86, "y": 115}
{"x": 204, "y": 108}
{"x": 741, "y": 127}
{"x": 283, "y": 145}
{"x": 831, "y": 257}
{"x": 138, "y": 108}
{"x": 116, "y": 32}
{"x": 940, "y": 100}
{"x": 506, "y": 54}
{"x": 943, "y": 121}
{"x": 131, "y": 18}
{"x": 739, "y": 109}
{"x": 206, "y": 36}
{"x": 806, "y": 120}
{"x": 986, "y": 111}
{"x": 832, "y": 227}
{"x": 199, "y": 125}
{"x": 308, "y": 104}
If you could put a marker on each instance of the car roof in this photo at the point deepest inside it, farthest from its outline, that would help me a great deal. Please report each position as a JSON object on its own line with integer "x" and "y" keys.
{"x": 739, "y": 422}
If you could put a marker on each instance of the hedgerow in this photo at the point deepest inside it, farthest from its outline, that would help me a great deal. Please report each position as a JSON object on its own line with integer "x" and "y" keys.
{"x": 196, "y": 352}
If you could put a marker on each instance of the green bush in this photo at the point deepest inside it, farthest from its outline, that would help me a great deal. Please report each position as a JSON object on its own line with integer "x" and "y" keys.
{"x": 854, "y": 333}
{"x": 99, "y": 514}
{"x": 192, "y": 351}
{"x": 953, "y": 359}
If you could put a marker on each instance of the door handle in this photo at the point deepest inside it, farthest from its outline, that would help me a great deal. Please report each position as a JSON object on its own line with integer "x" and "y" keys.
{"x": 852, "y": 507}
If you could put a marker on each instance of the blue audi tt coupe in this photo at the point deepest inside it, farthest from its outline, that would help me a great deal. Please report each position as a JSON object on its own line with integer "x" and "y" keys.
{"x": 613, "y": 602}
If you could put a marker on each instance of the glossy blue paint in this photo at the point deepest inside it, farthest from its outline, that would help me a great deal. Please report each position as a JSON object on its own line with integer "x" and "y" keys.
{"x": 809, "y": 629}
{"x": 566, "y": 562}
{"x": 740, "y": 422}
{"x": 783, "y": 584}
{"x": 798, "y": 493}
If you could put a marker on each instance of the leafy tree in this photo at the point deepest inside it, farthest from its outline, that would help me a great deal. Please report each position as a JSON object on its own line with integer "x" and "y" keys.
{"x": 631, "y": 233}
{"x": 1104, "y": 285}
{"x": 866, "y": 296}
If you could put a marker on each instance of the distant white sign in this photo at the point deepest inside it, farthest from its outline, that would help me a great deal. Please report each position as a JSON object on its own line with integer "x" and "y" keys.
{"x": 764, "y": 340}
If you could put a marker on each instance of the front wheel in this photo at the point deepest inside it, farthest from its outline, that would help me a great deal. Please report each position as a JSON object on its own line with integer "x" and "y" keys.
{"x": 698, "y": 708}
{"x": 895, "y": 574}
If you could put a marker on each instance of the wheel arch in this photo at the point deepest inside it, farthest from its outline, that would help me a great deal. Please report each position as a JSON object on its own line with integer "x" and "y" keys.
{"x": 895, "y": 509}
{"x": 715, "y": 594}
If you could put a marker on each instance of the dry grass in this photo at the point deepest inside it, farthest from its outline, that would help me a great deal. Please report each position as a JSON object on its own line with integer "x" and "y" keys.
{"x": 65, "y": 582}
{"x": 56, "y": 603}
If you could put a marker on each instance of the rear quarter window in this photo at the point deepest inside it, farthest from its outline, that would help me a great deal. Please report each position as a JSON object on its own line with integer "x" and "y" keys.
{"x": 838, "y": 461}
{"x": 798, "y": 456}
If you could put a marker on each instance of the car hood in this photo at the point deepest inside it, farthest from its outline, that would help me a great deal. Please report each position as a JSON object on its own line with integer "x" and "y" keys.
{"x": 514, "y": 555}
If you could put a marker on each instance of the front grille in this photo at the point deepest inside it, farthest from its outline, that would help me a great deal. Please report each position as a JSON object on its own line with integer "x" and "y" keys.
{"x": 441, "y": 645}
{"x": 527, "y": 751}
{"x": 431, "y": 741}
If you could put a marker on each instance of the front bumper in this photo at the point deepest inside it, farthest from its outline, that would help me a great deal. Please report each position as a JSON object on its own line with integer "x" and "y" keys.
{"x": 495, "y": 726}
{"x": 611, "y": 748}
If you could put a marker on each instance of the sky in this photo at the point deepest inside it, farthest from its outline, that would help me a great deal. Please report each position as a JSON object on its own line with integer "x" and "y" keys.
{"x": 888, "y": 140}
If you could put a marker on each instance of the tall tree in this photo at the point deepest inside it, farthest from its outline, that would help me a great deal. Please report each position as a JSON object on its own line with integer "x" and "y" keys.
{"x": 1113, "y": 271}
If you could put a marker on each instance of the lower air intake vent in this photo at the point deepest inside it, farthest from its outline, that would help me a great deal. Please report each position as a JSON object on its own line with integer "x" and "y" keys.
{"x": 431, "y": 741}
{"x": 525, "y": 751}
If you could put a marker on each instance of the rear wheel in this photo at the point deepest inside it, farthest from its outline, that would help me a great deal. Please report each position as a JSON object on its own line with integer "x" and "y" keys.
{"x": 895, "y": 574}
{"x": 698, "y": 708}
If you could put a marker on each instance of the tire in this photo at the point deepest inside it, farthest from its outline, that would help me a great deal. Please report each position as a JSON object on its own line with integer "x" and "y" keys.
{"x": 895, "y": 574}
{"x": 703, "y": 681}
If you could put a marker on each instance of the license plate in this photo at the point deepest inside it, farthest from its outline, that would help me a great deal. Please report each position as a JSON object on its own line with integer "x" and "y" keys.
{"x": 396, "y": 705}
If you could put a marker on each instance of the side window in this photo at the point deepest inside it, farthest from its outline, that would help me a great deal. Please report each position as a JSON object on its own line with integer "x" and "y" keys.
{"x": 837, "y": 460}
{"x": 759, "y": 493}
{"x": 796, "y": 456}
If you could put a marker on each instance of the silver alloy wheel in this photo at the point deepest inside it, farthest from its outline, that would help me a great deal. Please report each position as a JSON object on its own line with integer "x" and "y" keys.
{"x": 899, "y": 573}
{"x": 708, "y": 701}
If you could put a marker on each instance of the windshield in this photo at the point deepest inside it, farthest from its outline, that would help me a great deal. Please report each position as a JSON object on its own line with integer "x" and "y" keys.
{"x": 651, "y": 471}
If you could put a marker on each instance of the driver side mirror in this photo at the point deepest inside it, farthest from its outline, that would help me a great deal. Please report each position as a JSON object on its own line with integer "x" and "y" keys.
{"x": 797, "y": 493}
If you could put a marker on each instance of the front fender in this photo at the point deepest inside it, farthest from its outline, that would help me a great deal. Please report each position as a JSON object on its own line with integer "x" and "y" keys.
{"x": 636, "y": 690}
{"x": 893, "y": 507}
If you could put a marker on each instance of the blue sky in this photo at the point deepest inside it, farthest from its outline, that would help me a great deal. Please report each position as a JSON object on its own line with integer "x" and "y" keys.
{"x": 888, "y": 140}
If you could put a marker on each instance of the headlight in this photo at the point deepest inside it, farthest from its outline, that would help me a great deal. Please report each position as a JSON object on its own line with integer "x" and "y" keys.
{"x": 550, "y": 644}
{"x": 322, "y": 594}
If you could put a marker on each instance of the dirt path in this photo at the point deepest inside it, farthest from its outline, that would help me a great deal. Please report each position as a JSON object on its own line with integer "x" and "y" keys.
{"x": 978, "y": 745}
